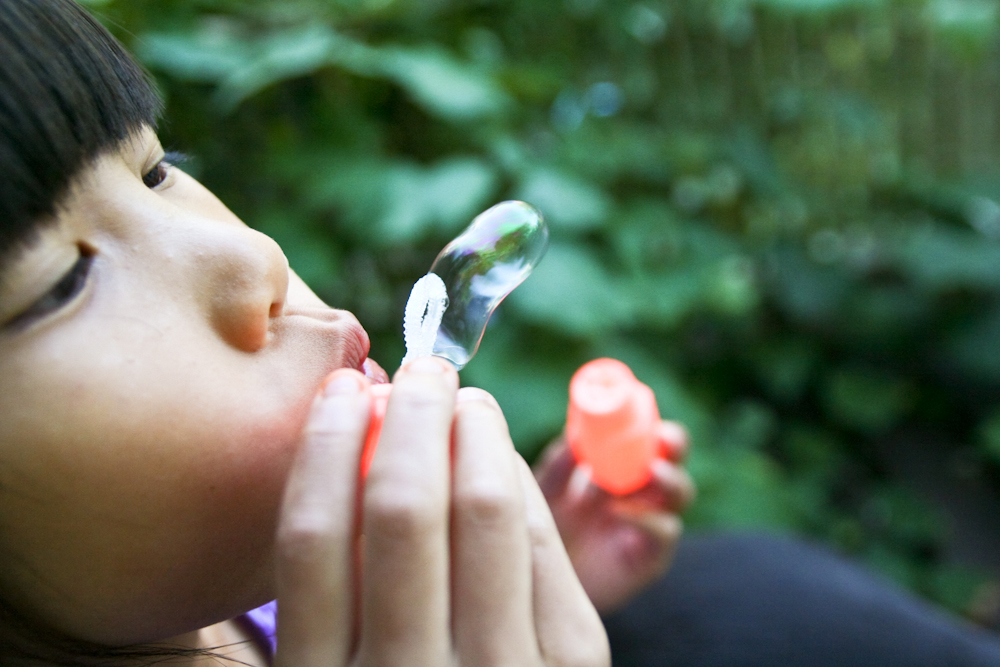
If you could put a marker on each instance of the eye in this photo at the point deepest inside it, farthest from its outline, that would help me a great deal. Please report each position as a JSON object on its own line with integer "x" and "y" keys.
{"x": 61, "y": 294}
{"x": 158, "y": 173}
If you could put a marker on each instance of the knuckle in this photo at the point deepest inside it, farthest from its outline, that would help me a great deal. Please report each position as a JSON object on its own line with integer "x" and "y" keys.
{"x": 307, "y": 537}
{"x": 404, "y": 515}
{"x": 417, "y": 398}
{"x": 323, "y": 428}
{"x": 591, "y": 653}
{"x": 488, "y": 504}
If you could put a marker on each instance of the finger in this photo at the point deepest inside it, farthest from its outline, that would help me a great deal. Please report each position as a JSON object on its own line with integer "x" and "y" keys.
{"x": 580, "y": 491}
{"x": 374, "y": 372}
{"x": 405, "y": 591}
{"x": 674, "y": 441}
{"x": 653, "y": 545}
{"x": 568, "y": 627}
{"x": 554, "y": 468}
{"x": 565, "y": 483}
{"x": 675, "y": 485}
{"x": 663, "y": 528}
{"x": 316, "y": 528}
{"x": 491, "y": 553}
{"x": 670, "y": 489}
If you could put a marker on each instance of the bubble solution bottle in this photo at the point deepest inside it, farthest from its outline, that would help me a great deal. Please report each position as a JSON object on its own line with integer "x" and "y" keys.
{"x": 612, "y": 425}
{"x": 449, "y": 308}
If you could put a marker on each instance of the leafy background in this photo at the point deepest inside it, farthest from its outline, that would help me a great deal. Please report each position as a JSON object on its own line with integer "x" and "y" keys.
{"x": 782, "y": 214}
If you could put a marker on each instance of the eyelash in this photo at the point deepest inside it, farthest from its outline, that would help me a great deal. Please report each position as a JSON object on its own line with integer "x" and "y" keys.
{"x": 158, "y": 173}
{"x": 68, "y": 287}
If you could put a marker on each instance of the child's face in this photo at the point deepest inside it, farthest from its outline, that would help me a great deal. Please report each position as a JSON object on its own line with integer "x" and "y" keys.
{"x": 147, "y": 420}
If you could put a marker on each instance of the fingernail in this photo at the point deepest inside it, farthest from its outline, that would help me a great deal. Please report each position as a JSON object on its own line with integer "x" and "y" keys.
{"x": 426, "y": 365}
{"x": 342, "y": 384}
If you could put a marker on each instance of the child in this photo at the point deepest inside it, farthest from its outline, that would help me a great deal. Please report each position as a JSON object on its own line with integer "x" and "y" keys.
{"x": 182, "y": 419}
{"x": 180, "y": 426}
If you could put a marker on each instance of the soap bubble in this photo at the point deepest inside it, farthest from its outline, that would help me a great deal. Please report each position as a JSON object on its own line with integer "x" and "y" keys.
{"x": 482, "y": 266}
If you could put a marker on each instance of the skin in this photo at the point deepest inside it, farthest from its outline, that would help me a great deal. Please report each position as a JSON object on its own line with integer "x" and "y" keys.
{"x": 166, "y": 462}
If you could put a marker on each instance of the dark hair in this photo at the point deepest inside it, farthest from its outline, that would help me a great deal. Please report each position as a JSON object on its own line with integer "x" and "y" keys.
{"x": 68, "y": 92}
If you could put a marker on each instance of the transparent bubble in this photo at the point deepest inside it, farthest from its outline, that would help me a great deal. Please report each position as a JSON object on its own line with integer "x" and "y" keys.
{"x": 482, "y": 266}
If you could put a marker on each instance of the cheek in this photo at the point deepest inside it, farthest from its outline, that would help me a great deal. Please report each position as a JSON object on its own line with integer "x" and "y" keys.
{"x": 144, "y": 500}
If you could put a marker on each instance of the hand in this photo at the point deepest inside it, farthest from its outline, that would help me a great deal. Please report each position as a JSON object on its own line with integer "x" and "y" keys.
{"x": 460, "y": 562}
{"x": 618, "y": 544}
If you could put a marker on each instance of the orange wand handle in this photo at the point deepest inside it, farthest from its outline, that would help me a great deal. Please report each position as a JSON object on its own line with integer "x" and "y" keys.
{"x": 380, "y": 401}
{"x": 612, "y": 425}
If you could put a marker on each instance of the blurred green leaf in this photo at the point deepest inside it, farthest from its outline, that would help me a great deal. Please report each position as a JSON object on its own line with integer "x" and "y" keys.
{"x": 571, "y": 291}
{"x": 243, "y": 65}
{"x": 207, "y": 55}
{"x": 967, "y": 26}
{"x": 944, "y": 258}
{"x": 814, "y": 453}
{"x": 442, "y": 84}
{"x": 664, "y": 301}
{"x": 400, "y": 202}
{"x": 812, "y": 7}
{"x": 868, "y": 401}
{"x": 957, "y": 587}
{"x": 738, "y": 488}
{"x": 446, "y": 196}
{"x": 747, "y": 425}
{"x": 971, "y": 347}
{"x": 786, "y": 367}
{"x": 565, "y": 201}
{"x": 278, "y": 57}
{"x": 807, "y": 292}
{"x": 989, "y": 436}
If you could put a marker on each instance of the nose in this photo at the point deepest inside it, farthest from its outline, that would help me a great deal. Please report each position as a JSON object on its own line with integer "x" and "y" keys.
{"x": 246, "y": 284}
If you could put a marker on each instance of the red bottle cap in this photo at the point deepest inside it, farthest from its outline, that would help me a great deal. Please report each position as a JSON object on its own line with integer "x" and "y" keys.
{"x": 380, "y": 400}
{"x": 612, "y": 425}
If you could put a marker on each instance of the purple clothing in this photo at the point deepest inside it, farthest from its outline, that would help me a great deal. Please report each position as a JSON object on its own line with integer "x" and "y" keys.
{"x": 262, "y": 624}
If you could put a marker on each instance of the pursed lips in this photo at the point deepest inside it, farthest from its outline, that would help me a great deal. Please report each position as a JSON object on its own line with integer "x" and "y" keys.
{"x": 347, "y": 327}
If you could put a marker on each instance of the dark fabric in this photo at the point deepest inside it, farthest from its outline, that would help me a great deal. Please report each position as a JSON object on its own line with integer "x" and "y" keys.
{"x": 766, "y": 601}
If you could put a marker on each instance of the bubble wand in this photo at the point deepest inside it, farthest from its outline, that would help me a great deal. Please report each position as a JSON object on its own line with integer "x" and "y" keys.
{"x": 449, "y": 308}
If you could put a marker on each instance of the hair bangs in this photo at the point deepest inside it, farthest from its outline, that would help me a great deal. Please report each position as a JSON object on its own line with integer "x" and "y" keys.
{"x": 68, "y": 91}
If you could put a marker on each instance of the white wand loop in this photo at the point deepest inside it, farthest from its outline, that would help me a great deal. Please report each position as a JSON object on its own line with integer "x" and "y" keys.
{"x": 422, "y": 318}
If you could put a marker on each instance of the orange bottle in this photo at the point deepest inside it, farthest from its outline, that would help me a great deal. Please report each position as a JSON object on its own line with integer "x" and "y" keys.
{"x": 612, "y": 425}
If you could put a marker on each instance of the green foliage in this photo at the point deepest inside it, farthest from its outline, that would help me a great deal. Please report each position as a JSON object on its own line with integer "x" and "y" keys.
{"x": 783, "y": 214}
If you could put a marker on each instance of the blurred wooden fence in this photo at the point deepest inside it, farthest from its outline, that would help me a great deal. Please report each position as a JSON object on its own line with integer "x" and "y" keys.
{"x": 919, "y": 81}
